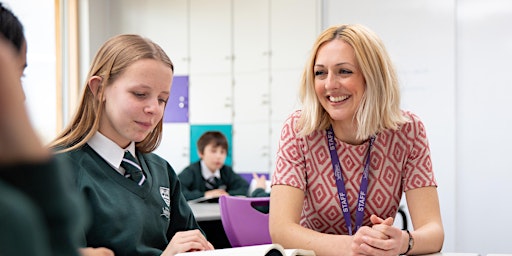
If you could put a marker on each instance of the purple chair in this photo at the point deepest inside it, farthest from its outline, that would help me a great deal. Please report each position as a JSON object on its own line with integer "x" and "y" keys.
{"x": 243, "y": 224}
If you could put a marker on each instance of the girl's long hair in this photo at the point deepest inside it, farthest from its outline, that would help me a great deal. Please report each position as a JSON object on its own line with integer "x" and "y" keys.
{"x": 112, "y": 59}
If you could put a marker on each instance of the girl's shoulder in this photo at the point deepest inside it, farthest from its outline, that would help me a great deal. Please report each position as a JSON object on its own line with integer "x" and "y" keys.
{"x": 153, "y": 157}
{"x": 76, "y": 155}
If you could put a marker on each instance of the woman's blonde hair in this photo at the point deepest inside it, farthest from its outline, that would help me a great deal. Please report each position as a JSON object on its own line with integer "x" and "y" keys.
{"x": 380, "y": 105}
{"x": 112, "y": 59}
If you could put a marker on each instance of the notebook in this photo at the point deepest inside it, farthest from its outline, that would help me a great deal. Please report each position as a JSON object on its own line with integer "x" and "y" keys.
{"x": 254, "y": 250}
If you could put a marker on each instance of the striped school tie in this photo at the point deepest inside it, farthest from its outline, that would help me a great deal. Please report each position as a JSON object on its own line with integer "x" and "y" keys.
{"x": 132, "y": 168}
{"x": 212, "y": 183}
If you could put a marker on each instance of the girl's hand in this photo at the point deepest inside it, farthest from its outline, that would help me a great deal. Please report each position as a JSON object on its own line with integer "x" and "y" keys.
{"x": 100, "y": 251}
{"x": 185, "y": 241}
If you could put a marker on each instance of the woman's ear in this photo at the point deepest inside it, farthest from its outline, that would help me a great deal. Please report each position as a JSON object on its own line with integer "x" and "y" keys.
{"x": 95, "y": 84}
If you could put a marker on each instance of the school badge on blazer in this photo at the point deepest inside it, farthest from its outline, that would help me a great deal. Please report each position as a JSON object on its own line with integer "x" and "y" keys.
{"x": 166, "y": 196}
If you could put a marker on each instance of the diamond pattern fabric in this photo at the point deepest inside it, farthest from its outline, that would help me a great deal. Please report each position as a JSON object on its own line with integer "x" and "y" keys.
{"x": 400, "y": 161}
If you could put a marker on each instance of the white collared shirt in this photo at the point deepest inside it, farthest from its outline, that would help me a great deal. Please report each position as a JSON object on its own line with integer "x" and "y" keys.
{"x": 110, "y": 151}
{"x": 207, "y": 173}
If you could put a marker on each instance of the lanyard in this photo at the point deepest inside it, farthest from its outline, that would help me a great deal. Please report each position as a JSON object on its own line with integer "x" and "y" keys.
{"x": 340, "y": 184}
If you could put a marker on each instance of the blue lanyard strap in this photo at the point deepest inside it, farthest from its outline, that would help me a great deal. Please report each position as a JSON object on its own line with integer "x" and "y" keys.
{"x": 340, "y": 183}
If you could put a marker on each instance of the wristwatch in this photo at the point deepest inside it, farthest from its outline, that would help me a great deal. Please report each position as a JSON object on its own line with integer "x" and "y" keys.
{"x": 411, "y": 242}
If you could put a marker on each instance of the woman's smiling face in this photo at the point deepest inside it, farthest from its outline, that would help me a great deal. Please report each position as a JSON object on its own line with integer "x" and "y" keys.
{"x": 339, "y": 83}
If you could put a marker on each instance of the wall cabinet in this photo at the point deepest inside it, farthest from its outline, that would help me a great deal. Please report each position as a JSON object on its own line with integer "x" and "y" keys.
{"x": 251, "y": 74}
{"x": 210, "y": 61}
{"x": 243, "y": 58}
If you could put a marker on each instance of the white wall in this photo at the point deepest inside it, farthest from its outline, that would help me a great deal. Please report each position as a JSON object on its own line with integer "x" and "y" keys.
{"x": 453, "y": 58}
{"x": 484, "y": 85}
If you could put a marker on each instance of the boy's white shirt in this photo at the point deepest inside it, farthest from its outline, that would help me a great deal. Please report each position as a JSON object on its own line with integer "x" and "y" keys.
{"x": 110, "y": 151}
{"x": 207, "y": 173}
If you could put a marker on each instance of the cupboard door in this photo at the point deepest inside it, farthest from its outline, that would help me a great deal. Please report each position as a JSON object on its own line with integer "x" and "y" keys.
{"x": 251, "y": 98}
{"x": 210, "y": 37}
{"x": 292, "y": 35}
{"x": 175, "y": 145}
{"x": 251, "y": 36}
{"x": 251, "y": 47}
{"x": 174, "y": 39}
{"x": 251, "y": 123}
{"x": 163, "y": 21}
{"x": 251, "y": 91}
{"x": 211, "y": 62}
{"x": 210, "y": 99}
{"x": 284, "y": 97}
{"x": 251, "y": 152}
{"x": 176, "y": 110}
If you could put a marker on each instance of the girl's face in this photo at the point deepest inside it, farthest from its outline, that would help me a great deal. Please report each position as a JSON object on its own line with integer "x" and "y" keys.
{"x": 213, "y": 156}
{"x": 135, "y": 101}
{"x": 339, "y": 83}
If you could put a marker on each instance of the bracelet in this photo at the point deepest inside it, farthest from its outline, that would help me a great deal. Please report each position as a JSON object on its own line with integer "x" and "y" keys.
{"x": 411, "y": 242}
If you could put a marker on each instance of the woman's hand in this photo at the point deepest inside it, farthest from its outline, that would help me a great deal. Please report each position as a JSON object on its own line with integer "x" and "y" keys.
{"x": 365, "y": 238}
{"x": 185, "y": 241}
{"x": 381, "y": 239}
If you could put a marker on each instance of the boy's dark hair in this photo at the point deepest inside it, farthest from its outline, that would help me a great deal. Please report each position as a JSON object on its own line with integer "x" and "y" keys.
{"x": 11, "y": 28}
{"x": 215, "y": 137}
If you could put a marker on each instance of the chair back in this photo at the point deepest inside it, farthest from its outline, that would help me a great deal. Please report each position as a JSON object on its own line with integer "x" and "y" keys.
{"x": 243, "y": 224}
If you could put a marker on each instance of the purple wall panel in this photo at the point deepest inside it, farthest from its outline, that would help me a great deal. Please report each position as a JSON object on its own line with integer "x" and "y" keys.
{"x": 176, "y": 110}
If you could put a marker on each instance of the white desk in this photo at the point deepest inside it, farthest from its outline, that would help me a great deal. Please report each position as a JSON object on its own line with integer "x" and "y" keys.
{"x": 205, "y": 211}
{"x": 452, "y": 254}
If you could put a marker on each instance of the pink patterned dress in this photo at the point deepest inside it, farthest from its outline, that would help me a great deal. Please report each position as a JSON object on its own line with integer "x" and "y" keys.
{"x": 400, "y": 161}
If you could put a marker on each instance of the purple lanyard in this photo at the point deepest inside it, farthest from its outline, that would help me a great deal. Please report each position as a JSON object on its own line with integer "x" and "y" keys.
{"x": 340, "y": 184}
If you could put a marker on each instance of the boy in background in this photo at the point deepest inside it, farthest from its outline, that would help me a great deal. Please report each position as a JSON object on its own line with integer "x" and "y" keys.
{"x": 210, "y": 177}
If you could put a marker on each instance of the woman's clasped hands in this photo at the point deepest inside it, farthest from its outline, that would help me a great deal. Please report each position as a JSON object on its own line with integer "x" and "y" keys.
{"x": 381, "y": 239}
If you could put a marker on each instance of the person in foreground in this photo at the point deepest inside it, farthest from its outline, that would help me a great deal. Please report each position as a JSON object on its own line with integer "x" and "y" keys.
{"x": 210, "y": 177}
{"x": 40, "y": 213}
{"x": 347, "y": 157}
{"x": 134, "y": 195}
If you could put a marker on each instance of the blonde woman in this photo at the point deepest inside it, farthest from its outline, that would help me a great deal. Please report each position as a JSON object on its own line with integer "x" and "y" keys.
{"x": 135, "y": 197}
{"x": 347, "y": 157}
